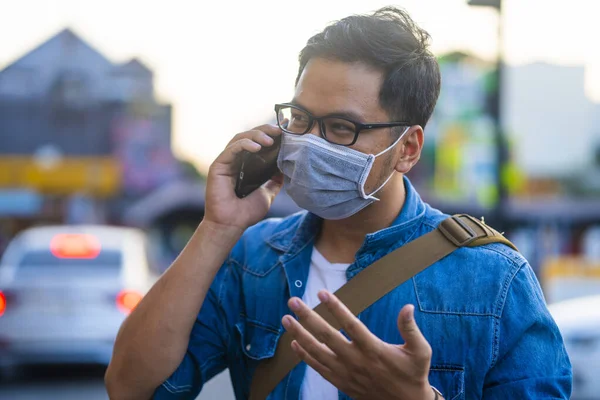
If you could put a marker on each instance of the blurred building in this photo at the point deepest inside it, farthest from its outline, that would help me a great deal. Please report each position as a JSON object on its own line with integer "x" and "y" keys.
{"x": 547, "y": 104}
{"x": 81, "y": 137}
{"x": 84, "y": 140}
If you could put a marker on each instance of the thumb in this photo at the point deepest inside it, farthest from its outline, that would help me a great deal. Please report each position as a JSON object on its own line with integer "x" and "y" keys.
{"x": 414, "y": 340}
{"x": 274, "y": 185}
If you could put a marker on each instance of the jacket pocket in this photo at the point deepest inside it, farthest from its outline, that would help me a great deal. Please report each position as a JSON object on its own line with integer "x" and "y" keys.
{"x": 256, "y": 340}
{"x": 449, "y": 380}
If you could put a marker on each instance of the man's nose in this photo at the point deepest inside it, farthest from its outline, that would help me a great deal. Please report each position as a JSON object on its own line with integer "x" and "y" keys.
{"x": 315, "y": 129}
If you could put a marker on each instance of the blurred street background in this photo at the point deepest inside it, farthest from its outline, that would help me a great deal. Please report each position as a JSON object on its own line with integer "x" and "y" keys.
{"x": 112, "y": 111}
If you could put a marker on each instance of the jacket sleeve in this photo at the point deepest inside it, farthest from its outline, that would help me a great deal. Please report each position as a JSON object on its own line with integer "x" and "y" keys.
{"x": 206, "y": 353}
{"x": 529, "y": 360}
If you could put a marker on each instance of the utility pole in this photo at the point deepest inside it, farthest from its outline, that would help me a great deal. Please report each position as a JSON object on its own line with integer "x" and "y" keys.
{"x": 496, "y": 113}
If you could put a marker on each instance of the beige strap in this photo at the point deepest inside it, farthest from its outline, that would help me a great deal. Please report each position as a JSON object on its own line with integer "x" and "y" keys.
{"x": 377, "y": 280}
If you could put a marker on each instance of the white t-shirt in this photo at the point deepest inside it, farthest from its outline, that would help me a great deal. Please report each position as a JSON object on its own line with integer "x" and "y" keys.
{"x": 321, "y": 275}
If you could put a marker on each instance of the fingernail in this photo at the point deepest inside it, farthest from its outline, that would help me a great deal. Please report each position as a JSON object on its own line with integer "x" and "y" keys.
{"x": 324, "y": 297}
{"x": 294, "y": 304}
{"x": 269, "y": 139}
{"x": 286, "y": 322}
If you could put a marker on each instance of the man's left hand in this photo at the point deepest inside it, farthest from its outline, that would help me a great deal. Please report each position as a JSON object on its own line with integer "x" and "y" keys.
{"x": 365, "y": 366}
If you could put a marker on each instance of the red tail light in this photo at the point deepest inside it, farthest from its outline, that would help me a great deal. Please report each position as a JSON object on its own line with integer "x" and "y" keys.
{"x": 2, "y": 303}
{"x": 127, "y": 300}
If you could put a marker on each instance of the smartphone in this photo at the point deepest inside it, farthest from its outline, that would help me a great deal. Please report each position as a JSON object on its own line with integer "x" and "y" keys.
{"x": 257, "y": 168}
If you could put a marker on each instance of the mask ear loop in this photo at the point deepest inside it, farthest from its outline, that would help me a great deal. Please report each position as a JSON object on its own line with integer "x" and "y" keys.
{"x": 362, "y": 186}
{"x": 395, "y": 143}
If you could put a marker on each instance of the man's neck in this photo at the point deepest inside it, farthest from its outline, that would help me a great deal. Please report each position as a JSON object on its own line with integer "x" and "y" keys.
{"x": 339, "y": 240}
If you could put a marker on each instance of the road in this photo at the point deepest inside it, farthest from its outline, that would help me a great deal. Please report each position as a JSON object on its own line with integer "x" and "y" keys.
{"x": 61, "y": 383}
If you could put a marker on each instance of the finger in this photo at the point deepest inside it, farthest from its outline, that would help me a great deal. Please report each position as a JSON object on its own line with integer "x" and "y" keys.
{"x": 271, "y": 130}
{"x": 231, "y": 152}
{"x": 325, "y": 372}
{"x": 317, "y": 350}
{"x": 353, "y": 327}
{"x": 414, "y": 341}
{"x": 262, "y": 134}
{"x": 259, "y": 137}
{"x": 320, "y": 328}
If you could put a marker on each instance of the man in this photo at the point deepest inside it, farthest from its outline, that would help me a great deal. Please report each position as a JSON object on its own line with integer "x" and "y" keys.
{"x": 473, "y": 325}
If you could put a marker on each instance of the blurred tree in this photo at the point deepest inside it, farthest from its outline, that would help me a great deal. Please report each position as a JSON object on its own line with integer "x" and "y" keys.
{"x": 190, "y": 171}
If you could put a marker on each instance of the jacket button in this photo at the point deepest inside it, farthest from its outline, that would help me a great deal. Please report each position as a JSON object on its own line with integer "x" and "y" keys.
{"x": 298, "y": 284}
{"x": 248, "y": 347}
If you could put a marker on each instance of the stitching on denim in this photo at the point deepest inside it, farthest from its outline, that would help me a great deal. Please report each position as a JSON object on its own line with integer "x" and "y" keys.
{"x": 223, "y": 282}
{"x": 447, "y": 368}
{"x": 507, "y": 283}
{"x": 492, "y": 247}
{"x": 451, "y": 368}
{"x": 495, "y": 342}
{"x": 459, "y": 313}
{"x": 208, "y": 360}
{"x": 255, "y": 273}
{"x": 308, "y": 242}
{"x": 227, "y": 272}
{"x": 272, "y": 345}
{"x": 354, "y": 269}
{"x": 262, "y": 325}
{"x": 272, "y": 238}
{"x": 501, "y": 304}
{"x": 417, "y": 294}
{"x": 176, "y": 389}
{"x": 468, "y": 314}
{"x": 287, "y": 384}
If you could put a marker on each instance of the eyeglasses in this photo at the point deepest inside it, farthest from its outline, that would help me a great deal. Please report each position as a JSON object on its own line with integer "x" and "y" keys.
{"x": 337, "y": 130}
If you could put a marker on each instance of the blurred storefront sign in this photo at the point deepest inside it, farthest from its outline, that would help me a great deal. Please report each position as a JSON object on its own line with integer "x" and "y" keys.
{"x": 98, "y": 176}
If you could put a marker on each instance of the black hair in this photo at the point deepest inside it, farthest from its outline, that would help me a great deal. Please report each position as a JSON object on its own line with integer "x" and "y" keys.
{"x": 390, "y": 41}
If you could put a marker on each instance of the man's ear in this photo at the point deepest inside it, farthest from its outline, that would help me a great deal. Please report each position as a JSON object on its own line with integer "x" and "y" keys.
{"x": 410, "y": 149}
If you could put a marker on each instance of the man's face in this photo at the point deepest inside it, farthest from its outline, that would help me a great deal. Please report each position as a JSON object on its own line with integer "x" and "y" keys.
{"x": 352, "y": 89}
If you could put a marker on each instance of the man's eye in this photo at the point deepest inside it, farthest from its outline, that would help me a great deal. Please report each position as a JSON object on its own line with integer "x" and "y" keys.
{"x": 341, "y": 128}
{"x": 299, "y": 118}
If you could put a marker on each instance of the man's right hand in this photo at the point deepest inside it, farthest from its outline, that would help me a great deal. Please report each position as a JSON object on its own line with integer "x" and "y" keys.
{"x": 153, "y": 340}
{"x": 223, "y": 207}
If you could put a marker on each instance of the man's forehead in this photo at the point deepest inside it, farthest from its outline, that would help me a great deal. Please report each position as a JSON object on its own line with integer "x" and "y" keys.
{"x": 328, "y": 86}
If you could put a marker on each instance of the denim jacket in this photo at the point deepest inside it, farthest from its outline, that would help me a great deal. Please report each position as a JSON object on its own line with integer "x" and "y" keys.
{"x": 481, "y": 309}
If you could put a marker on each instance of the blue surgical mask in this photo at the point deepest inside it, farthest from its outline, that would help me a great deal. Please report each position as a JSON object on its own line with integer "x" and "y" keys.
{"x": 327, "y": 179}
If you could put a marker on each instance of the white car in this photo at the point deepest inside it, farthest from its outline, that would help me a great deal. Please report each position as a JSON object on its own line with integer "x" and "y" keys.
{"x": 65, "y": 290}
{"x": 579, "y": 323}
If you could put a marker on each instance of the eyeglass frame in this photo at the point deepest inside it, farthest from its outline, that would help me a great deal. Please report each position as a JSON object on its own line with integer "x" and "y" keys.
{"x": 358, "y": 125}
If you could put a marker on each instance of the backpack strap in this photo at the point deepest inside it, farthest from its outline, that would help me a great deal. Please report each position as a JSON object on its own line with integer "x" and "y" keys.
{"x": 375, "y": 281}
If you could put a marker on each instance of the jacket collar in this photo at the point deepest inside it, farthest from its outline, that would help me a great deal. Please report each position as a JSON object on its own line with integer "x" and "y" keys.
{"x": 295, "y": 237}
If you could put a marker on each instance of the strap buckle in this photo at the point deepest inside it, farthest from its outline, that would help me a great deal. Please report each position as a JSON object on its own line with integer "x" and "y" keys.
{"x": 457, "y": 231}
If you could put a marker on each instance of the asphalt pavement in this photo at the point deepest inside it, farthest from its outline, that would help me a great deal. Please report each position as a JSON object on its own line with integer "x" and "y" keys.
{"x": 77, "y": 383}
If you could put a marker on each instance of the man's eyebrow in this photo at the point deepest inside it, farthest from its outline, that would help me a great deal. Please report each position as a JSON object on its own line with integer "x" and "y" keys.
{"x": 342, "y": 114}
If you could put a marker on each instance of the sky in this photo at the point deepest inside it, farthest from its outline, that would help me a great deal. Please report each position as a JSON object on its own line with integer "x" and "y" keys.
{"x": 223, "y": 64}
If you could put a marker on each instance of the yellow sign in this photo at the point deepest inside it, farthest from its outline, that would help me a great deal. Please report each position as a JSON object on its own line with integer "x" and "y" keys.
{"x": 570, "y": 266}
{"x": 97, "y": 176}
